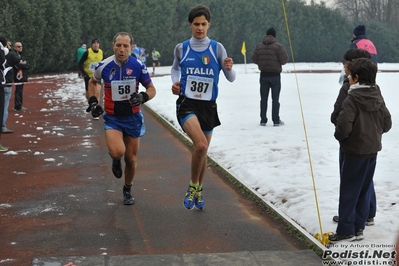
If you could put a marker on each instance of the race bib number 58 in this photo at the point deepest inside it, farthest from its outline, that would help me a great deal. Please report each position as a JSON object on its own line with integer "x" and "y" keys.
{"x": 122, "y": 89}
{"x": 199, "y": 88}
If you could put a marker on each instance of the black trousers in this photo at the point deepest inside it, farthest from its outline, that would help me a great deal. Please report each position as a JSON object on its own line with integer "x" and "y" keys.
{"x": 18, "y": 100}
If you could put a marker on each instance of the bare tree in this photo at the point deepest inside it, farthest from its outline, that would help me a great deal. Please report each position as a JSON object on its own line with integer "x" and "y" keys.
{"x": 386, "y": 11}
{"x": 350, "y": 8}
{"x": 381, "y": 10}
{"x": 391, "y": 12}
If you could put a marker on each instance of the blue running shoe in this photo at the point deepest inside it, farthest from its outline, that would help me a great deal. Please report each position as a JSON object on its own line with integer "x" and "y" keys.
{"x": 127, "y": 197}
{"x": 189, "y": 198}
{"x": 199, "y": 200}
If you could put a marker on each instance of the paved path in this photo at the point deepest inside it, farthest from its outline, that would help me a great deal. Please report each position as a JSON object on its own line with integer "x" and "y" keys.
{"x": 61, "y": 205}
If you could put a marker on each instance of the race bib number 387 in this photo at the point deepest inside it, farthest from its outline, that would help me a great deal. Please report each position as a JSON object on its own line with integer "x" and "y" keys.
{"x": 122, "y": 89}
{"x": 199, "y": 88}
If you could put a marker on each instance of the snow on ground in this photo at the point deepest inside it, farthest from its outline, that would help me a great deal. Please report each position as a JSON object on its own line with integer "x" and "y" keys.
{"x": 281, "y": 164}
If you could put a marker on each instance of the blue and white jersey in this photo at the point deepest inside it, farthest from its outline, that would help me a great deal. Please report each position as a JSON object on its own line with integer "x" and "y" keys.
{"x": 120, "y": 81}
{"x": 199, "y": 72}
{"x": 137, "y": 52}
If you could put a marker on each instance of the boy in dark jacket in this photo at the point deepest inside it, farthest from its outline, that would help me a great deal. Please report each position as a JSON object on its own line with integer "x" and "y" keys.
{"x": 359, "y": 128}
{"x": 350, "y": 55}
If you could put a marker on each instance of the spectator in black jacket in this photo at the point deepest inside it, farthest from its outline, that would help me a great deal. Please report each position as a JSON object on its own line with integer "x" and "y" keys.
{"x": 20, "y": 77}
{"x": 270, "y": 55}
{"x": 3, "y": 60}
{"x": 13, "y": 61}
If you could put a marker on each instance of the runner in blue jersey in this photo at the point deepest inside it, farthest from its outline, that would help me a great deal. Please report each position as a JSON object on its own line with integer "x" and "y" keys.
{"x": 195, "y": 76}
{"x": 123, "y": 119}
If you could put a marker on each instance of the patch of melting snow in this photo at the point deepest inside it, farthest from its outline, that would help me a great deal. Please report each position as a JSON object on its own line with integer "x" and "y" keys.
{"x": 19, "y": 173}
{"x": 28, "y": 136}
{"x": 11, "y": 153}
{"x": 6, "y": 260}
{"x": 41, "y": 209}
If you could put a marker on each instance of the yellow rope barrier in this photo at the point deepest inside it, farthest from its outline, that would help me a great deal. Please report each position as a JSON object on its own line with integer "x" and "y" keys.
{"x": 323, "y": 238}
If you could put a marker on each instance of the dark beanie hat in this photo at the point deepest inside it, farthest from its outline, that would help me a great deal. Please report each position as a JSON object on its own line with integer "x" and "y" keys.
{"x": 95, "y": 40}
{"x": 359, "y": 30}
{"x": 271, "y": 32}
{"x": 3, "y": 41}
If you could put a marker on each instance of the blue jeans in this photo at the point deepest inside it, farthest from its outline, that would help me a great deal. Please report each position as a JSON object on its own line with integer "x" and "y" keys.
{"x": 7, "y": 97}
{"x": 267, "y": 83}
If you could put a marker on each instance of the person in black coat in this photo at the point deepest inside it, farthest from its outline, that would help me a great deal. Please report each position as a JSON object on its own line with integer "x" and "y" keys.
{"x": 3, "y": 53}
{"x": 20, "y": 77}
{"x": 13, "y": 61}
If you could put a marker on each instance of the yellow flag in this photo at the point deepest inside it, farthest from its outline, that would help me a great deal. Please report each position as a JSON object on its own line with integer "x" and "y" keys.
{"x": 243, "y": 50}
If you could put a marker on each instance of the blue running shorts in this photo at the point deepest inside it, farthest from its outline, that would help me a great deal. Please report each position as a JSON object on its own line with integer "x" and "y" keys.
{"x": 131, "y": 125}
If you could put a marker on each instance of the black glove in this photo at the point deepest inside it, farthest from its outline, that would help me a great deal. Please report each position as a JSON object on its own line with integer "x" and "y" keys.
{"x": 138, "y": 98}
{"x": 95, "y": 109}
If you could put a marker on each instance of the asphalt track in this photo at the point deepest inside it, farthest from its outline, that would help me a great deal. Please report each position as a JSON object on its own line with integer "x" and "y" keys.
{"x": 61, "y": 205}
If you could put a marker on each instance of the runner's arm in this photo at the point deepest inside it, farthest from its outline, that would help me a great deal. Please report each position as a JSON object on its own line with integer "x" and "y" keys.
{"x": 95, "y": 79}
{"x": 175, "y": 72}
{"x": 82, "y": 61}
{"x": 150, "y": 90}
{"x": 229, "y": 72}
